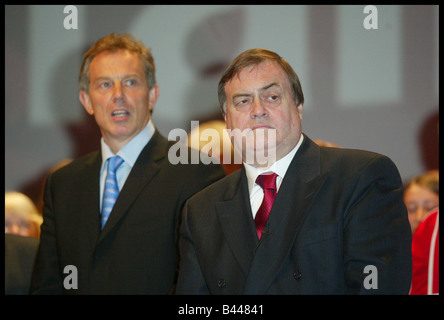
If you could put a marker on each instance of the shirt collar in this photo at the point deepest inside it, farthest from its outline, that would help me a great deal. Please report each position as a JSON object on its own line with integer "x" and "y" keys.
{"x": 130, "y": 152}
{"x": 279, "y": 167}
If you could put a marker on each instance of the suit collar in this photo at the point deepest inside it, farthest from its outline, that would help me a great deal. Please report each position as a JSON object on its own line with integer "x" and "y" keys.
{"x": 144, "y": 170}
{"x": 280, "y": 167}
{"x": 89, "y": 198}
{"x": 234, "y": 214}
{"x": 290, "y": 208}
{"x": 291, "y": 204}
{"x": 130, "y": 151}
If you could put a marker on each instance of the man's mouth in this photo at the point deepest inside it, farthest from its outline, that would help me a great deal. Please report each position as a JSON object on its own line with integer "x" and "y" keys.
{"x": 120, "y": 113}
{"x": 261, "y": 126}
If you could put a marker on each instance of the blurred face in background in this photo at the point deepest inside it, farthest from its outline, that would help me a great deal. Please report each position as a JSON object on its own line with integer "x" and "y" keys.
{"x": 18, "y": 225}
{"x": 419, "y": 201}
{"x": 21, "y": 215}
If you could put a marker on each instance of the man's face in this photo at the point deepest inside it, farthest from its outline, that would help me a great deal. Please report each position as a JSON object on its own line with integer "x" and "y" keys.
{"x": 118, "y": 96}
{"x": 259, "y": 98}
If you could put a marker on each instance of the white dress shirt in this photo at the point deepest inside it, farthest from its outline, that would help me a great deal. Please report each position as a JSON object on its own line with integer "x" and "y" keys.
{"x": 279, "y": 167}
{"x": 129, "y": 153}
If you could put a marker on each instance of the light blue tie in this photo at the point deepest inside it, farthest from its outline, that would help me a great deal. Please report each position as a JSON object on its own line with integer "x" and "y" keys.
{"x": 111, "y": 189}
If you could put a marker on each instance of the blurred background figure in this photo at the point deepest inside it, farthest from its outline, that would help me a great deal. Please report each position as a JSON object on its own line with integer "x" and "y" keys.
{"x": 214, "y": 147}
{"x": 425, "y": 256}
{"x": 323, "y": 143}
{"x": 21, "y": 215}
{"x": 20, "y": 255}
{"x": 421, "y": 195}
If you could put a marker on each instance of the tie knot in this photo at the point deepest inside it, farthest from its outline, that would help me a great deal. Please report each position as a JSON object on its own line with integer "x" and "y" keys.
{"x": 114, "y": 163}
{"x": 267, "y": 181}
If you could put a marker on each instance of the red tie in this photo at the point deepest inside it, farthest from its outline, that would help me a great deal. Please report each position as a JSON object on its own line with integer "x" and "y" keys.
{"x": 268, "y": 183}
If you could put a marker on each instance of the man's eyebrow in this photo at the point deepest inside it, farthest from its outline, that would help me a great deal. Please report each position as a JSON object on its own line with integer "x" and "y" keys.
{"x": 99, "y": 80}
{"x": 238, "y": 95}
{"x": 268, "y": 86}
{"x": 274, "y": 84}
{"x": 125, "y": 76}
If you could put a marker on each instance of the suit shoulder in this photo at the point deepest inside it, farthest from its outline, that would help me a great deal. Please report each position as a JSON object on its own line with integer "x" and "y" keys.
{"x": 190, "y": 162}
{"x": 77, "y": 164}
{"x": 219, "y": 188}
{"x": 351, "y": 162}
{"x": 342, "y": 156}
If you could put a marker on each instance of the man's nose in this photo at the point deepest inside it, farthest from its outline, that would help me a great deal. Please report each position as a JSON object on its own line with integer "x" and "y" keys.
{"x": 258, "y": 110}
{"x": 118, "y": 94}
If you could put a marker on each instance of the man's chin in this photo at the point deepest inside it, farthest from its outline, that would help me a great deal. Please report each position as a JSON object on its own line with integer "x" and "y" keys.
{"x": 263, "y": 156}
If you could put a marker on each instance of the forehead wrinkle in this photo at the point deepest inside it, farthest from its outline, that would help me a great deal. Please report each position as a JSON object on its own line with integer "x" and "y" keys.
{"x": 264, "y": 88}
{"x": 268, "y": 86}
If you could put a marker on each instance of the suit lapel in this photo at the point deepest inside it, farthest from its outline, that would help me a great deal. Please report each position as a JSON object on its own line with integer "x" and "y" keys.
{"x": 89, "y": 188}
{"x": 237, "y": 224}
{"x": 299, "y": 187}
{"x": 142, "y": 173}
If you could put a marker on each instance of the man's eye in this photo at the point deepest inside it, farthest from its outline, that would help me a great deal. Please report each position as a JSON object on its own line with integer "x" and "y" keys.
{"x": 273, "y": 98}
{"x": 241, "y": 102}
{"x": 104, "y": 85}
{"x": 130, "y": 82}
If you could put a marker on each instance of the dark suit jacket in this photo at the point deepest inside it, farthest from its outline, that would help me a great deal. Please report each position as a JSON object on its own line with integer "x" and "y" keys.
{"x": 136, "y": 253}
{"x": 19, "y": 260}
{"x": 336, "y": 212}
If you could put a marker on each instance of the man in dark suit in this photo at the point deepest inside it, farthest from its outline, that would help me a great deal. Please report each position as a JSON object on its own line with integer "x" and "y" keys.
{"x": 337, "y": 223}
{"x": 134, "y": 249}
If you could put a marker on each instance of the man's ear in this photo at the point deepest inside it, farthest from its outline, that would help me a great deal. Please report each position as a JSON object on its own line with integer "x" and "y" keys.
{"x": 153, "y": 96}
{"x": 86, "y": 101}
{"x": 300, "y": 109}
